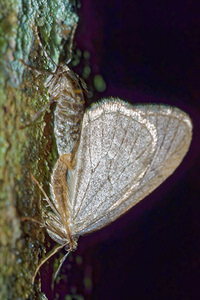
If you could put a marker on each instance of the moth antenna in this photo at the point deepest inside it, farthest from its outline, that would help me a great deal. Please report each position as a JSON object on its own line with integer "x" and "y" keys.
{"x": 61, "y": 263}
{"x": 35, "y": 28}
{"x": 51, "y": 253}
{"x": 71, "y": 43}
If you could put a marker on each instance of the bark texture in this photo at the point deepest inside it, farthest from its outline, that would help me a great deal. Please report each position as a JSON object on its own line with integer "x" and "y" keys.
{"x": 26, "y": 150}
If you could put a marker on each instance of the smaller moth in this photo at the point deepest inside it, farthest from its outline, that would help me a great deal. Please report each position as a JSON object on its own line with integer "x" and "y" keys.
{"x": 67, "y": 89}
{"x": 125, "y": 152}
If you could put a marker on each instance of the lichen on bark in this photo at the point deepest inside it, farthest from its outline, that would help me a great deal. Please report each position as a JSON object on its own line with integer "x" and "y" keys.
{"x": 26, "y": 150}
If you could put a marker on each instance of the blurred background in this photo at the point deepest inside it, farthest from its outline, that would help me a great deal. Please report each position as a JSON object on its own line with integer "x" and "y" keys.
{"x": 142, "y": 51}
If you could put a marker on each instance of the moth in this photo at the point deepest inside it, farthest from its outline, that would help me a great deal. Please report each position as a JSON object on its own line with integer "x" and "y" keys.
{"x": 125, "y": 152}
{"x": 67, "y": 89}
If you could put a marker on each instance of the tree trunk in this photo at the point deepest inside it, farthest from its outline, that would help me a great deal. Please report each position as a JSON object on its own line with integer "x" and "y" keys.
{"x": 26, "y": 149}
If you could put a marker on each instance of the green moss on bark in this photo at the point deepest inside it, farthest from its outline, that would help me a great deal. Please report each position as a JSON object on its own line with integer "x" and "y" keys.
{"x": 30, "y": 149}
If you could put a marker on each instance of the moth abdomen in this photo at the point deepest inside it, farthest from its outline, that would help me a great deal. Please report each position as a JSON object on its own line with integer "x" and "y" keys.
{"x": 66, "y": 89}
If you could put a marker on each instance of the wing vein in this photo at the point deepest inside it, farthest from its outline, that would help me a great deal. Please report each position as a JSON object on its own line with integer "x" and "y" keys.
{"x": 91, "y": 177}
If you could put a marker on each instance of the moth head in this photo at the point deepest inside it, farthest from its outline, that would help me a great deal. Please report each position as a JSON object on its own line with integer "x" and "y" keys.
{"x": 73, "y": 244}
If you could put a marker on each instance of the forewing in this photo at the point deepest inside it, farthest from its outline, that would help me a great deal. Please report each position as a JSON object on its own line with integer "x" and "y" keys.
{"x": 125, "y": 152}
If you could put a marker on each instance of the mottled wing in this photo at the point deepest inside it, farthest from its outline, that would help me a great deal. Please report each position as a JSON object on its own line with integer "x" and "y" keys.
{"x": 125, "y": 152}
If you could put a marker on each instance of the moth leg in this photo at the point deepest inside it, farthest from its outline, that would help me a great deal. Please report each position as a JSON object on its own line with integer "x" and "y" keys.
{"x": 61, "y": 263}
{"x": 23, "y": 219}
{"x": 51, "y": 253}
{"x": 35, "y": 70}
{"x": 37, "y": 115}
{"x": 45, "y": 195}
{"x": 73, "y": 155}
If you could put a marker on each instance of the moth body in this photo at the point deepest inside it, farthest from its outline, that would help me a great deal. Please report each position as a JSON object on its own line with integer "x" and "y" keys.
{"x": 125, "y": 152}
{"x": 67, "y": 89}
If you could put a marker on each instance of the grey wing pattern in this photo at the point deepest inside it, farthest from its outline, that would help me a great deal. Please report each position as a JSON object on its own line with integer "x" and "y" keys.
{"x": 125, "y": 152}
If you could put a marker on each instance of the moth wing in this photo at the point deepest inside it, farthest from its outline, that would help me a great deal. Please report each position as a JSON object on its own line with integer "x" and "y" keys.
{"x": 125, "y": 152}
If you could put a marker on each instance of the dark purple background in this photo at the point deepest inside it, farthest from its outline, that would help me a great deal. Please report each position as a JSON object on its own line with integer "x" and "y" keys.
{"x": 147, "y": 51}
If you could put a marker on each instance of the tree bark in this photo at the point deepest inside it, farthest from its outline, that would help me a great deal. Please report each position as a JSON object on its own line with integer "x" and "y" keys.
{"x": 24, "y": 149}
